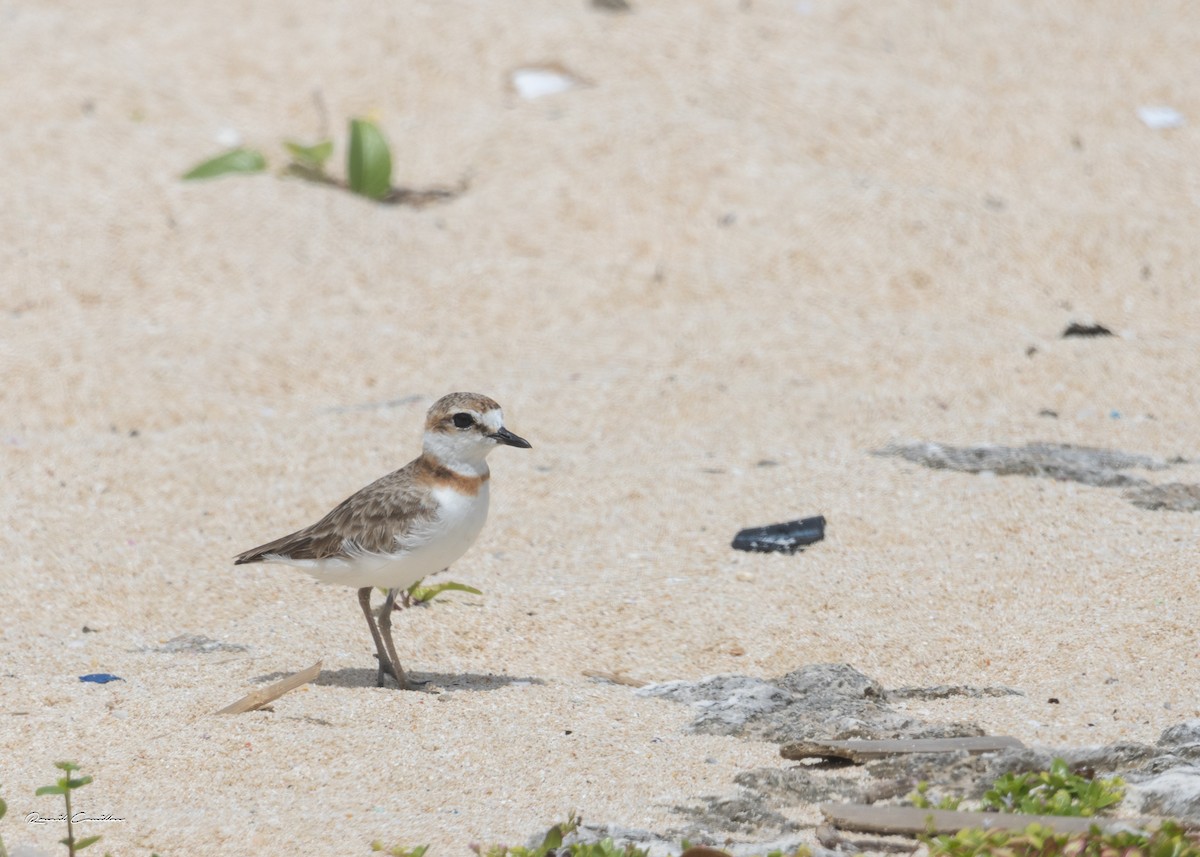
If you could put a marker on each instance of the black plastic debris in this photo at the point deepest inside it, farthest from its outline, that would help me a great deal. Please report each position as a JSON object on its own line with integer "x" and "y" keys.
{"x": 1077, "y": 329}
{"x": 787, "y": 537}
{"x": 100, "y": 678}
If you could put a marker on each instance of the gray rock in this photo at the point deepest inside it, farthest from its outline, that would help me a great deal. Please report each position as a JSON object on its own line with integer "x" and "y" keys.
{"x": 746, "y": 814}
{"x": 1175, "y": 792}
{"x": 826, "y": 684}
{"x": 1091, "y": 466}
{"x": 1097, "y": 759}
{"x": 1108, "y": 758}
{"x": 726, "y": 702}
{"x": 1172, "y": 497}
{"x": 785, "y": 787}
{"x": 1183, "y": 734}
{"x": 959, "y": 769}
{"x": 818, "y": 701}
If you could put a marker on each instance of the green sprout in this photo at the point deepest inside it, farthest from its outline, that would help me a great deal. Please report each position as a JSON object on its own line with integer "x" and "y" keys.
{"x": 368, "y": 167}
{"x": 64, "y": 786}
{"x": 368, "y": 162}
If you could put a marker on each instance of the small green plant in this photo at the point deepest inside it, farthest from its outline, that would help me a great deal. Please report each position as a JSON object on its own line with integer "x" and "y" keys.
{"x": 1053, "y": 792}
{"x": 1168, "y": 840}
{"x": 922, "y": 799}
{"x": 64, "y": 787}
{"x": 418, "y": 594}
{"x": 368, "y": 162}
{"x": 368, "y": 167}
{"x": 3, "y": 810}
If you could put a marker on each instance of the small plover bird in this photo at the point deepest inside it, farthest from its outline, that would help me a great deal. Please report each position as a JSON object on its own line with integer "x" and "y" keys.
{"x": 408, "y": 524}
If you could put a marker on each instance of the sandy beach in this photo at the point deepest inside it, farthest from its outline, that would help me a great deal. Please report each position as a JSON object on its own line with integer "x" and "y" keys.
{"x": 757, "y": 242}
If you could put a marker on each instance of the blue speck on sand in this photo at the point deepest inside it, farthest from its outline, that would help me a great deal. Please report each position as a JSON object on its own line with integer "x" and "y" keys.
{"x": 100, "y": 678}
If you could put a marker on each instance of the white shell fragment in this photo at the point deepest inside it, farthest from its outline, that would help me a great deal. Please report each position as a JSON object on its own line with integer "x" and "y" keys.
{"x": 1160, "y": 117}
{"x": 532, "y": 82}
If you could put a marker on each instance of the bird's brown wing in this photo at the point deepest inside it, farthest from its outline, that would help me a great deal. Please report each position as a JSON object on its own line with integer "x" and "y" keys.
{"x": 369, "y": 521}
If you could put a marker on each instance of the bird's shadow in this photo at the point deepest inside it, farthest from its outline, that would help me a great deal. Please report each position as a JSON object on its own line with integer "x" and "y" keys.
{"x": 424, "y": 682}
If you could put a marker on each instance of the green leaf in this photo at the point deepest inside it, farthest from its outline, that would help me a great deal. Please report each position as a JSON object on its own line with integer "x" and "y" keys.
{"x": 236, "y": 161}
{"x": 3, "y": 807}
{"x": 85, "y": 842}
{"x": 428, "y": 593}
{"x": 51, "y": 790}
{"x": 314, "y": 156}
{"x": 368, "y": 162}
{"x": 66, "y": 766}
{"x": 553, "y": 839}
{"x": 419, "y": 851}
{"x": 82, "y": 781}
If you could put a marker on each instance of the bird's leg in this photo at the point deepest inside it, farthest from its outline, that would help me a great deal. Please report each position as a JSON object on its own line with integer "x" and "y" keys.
{"x": 385, "y": 665}
{"x": 385, "y": 630}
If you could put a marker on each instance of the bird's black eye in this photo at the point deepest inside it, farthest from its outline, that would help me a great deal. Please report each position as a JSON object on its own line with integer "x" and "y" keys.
{"x": 463, "y": 420}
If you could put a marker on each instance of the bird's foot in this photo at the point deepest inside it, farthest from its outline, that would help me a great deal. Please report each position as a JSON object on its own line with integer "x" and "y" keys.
{"x": 386, "y": 669}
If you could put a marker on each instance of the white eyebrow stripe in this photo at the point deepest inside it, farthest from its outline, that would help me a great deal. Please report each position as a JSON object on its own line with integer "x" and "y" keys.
{"x": 492, "y": 420}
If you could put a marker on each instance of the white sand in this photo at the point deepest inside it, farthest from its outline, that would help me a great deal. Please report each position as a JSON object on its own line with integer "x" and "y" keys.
{"x": 766, "y": 230}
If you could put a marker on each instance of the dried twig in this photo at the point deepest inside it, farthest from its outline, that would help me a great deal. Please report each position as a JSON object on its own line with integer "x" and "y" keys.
{"x": 859, "y": 750}
{"x": 272, "y": 692}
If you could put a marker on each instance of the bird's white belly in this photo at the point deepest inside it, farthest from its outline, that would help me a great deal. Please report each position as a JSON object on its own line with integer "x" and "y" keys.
{"x": 419, "y": 553}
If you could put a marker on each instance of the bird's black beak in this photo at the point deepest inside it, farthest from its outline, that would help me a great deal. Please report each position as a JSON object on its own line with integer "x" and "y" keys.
{"x": 506, "y": 437}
